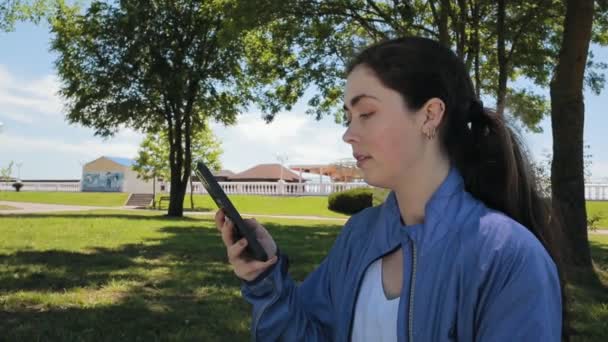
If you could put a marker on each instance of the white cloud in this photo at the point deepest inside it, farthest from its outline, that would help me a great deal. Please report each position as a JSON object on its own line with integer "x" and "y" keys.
{"x": 84, "y": 149}
{"x": 27, "y": 101}
{"x": 251, "y": 126}
{"x": 304, "y": 140}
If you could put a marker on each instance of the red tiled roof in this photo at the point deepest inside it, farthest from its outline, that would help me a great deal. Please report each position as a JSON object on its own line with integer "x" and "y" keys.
{"x": 269, "y": 172}
{"x": 223, "y": 173}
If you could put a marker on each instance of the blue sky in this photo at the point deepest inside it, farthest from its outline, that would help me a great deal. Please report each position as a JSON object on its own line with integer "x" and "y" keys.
{"x": 36, "y": 134}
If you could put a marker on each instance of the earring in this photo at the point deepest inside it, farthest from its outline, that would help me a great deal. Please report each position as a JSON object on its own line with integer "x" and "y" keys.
{"x": 430, "y": 133}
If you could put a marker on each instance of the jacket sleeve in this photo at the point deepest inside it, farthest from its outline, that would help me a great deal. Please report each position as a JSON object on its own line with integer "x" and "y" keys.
{"x": 284, "y": 311}
{"x": 520, "y": 299}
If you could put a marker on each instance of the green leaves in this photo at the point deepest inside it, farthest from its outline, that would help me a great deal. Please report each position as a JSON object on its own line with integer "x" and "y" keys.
{"x": 12, "y": 11}
{"x": 153, "y": 154}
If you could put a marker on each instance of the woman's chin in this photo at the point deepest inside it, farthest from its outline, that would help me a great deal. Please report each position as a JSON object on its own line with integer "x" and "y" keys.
{"x": 373, "y": 181}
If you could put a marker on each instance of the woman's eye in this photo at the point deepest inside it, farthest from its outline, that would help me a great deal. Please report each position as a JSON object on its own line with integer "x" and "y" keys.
{"x": 366, "y": 115}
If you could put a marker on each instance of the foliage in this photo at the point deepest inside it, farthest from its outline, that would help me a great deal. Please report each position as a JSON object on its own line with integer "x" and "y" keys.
{"x": 17, "y": 185}
{"x": 333, "y": 31}
{"x": 542, "y": 170}
{"x": 169, "y": 66}
{"x": 5, "y": 173}
{"x": 13, "y": 11}
{"x": 350, "y": 201}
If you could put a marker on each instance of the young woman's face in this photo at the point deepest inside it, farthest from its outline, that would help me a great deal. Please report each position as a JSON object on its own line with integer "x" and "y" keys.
{"x": 386, "y": 137}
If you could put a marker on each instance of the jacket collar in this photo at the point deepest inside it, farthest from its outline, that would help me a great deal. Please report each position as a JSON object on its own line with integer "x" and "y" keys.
{"x": 443, "y": 206}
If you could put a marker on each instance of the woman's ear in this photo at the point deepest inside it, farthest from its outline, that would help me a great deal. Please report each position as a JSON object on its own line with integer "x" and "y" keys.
{"x": 432, "y": 112}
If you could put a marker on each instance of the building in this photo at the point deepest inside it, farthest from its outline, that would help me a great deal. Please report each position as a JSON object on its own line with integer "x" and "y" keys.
{"x": 344, "y": 170}
{"x": 114, "y": 174}
{"x": 266, "y": 173}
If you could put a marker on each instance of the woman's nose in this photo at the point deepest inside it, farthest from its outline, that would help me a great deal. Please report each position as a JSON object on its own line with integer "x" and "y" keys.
{"x": 349, "y": 136}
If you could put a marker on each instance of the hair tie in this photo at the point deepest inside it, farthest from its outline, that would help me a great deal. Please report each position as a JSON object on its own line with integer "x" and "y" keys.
{"x": 476, "y": 111}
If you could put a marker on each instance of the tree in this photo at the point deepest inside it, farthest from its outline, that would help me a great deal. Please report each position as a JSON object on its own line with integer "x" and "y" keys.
{"x": 499, "y": 41}
{"x": 13, "y": 11}
{"x": 5, "y": 173}
{"x": 208, "y": 149}
{"x": 167, "y": 66}
{"x": 567, "y": 119}
{"x": 152, "y": 161}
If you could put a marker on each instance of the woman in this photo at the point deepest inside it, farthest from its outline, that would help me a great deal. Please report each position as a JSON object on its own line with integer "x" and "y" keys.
{"x": 460, "y": 250}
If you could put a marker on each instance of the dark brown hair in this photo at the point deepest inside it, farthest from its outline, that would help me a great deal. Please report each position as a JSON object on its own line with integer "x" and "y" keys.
{"x": 479, "y": 143}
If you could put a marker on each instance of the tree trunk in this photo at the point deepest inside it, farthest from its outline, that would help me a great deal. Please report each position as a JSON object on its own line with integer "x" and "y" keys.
{"x": 444, "y": 33}
{"x": 567, "y": 118}
{"x": 178, "y": 192}
{"x": 191, "y": 194}
{"x": 501, "y": 92}
{"x": 154, "y": 192}
{"x": 176, "y": 161}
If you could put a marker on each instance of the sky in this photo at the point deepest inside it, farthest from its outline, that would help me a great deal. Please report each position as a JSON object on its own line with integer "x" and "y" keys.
{"x": 36, "y": 135}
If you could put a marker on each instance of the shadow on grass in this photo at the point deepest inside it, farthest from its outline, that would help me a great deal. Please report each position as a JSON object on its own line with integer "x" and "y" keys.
{"x": 178, "y": 287}
{"x": 96, "y": 215}
{"x": 589, "y": 298}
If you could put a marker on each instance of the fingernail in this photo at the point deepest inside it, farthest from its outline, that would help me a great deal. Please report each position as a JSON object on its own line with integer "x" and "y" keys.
{"x": 243, "y": 242}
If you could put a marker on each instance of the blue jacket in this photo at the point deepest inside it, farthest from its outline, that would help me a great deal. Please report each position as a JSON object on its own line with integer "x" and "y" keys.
{"x": 470, "y": 274}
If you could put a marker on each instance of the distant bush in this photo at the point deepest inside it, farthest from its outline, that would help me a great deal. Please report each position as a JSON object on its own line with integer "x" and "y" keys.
{"x": 352, "y": 201}
{"x": 17, "y": 186}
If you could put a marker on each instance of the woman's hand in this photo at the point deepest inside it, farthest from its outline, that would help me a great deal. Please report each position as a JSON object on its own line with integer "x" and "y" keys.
{"x": 245, "y": 267}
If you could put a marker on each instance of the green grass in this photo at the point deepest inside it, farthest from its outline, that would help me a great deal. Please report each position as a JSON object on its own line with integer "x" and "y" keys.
{"x": 7, "y": 207}
{"x": 590, "y": 296}
{"x": 268, "y": 205}
{"x": 263, "y": 205}
{"x": 597, "y": 207}
{"x": 139, "y": 276}
{"x": 102, "y": 199}
{"x": 123, "y": 276}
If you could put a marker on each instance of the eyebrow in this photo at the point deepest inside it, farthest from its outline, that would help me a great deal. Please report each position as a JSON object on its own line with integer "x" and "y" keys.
{"x": 356, "y": 99}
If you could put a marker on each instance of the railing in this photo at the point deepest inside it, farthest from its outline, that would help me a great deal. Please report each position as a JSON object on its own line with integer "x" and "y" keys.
{"x": 593, "y": 191}
{"x": 42, "y": 187}
{"x": 280, "y": 189}
{"x": 596, "y": 192}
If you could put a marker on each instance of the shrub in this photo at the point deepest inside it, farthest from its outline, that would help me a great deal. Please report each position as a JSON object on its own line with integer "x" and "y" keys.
{"x": 351, "y": 201}
{"x": 17, "y": 186}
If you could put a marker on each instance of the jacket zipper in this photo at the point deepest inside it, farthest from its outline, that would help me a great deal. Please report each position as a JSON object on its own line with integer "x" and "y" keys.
{"x": 412, "y": 290}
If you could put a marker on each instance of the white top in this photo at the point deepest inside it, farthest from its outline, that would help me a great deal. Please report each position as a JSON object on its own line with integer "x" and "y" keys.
{"x": 375, "y": 315}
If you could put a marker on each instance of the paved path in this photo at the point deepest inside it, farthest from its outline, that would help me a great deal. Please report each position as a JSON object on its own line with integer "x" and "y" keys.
{"x": 32, "y": 208}
{"x": 29, "y": 208}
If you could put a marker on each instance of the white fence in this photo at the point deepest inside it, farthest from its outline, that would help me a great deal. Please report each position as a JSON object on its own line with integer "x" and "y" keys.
{"x": 593, "y": 192}
{"x": 596, "y": 192}
{"x": 280, "y": 189}
{"x": 36, "y": 186}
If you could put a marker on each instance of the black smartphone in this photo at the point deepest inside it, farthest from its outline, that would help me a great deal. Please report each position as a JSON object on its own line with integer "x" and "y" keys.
{"x": 241, "y": 229}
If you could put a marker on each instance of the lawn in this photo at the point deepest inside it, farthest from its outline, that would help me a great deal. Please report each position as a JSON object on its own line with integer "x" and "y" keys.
{"x": 590, "y": 305}
{"x": 263, "y": 205}
{"x": 268, "y": 205}
{"x": 122, "y": 276}
{"x": 132, "y": 276}
{"x": 601, "y": 208}
{"x": 7, "y": 207}
{"x": 102, "y": 199}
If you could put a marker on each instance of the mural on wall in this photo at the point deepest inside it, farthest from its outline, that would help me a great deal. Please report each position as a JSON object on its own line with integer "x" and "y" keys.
{"x": 102, "y": 181}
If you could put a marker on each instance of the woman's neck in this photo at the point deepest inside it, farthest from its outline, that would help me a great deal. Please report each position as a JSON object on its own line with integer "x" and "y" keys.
{"x": 417, "y": 189}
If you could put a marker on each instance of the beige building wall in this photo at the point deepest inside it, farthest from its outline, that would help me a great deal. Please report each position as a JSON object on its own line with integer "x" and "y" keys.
{"x": 136, "y": 185}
